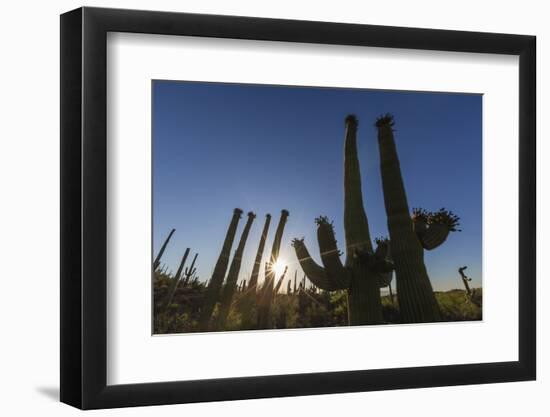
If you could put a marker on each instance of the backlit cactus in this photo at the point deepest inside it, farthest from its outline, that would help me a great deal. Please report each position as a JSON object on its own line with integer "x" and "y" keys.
{"x": 280, "y": 281}
{"x": 259, "y": 254}
{"x": 266, "y": 294}
{"x": 363, "y": 269}
{"x": 233, "y": 274}
{"x": 409, "y": 236}
{"x": 215, "y": 283}
{"x": 248, "y": 304}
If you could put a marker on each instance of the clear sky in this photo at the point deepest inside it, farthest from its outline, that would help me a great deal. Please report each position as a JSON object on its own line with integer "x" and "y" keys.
{"x": 266, "y": 148}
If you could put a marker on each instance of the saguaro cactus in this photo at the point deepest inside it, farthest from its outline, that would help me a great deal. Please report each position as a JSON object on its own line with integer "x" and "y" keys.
{"x": 253, "y": 282}
{"x": 233, "y": 274}
{"x": 465, "y": 280}
{"x": 189, "y": 272}
{"x": 266, "y": 296}
{"x": 215, "y": 284}
{"x": 156, "y": 262}
{"x": 361, "y": 273}
{"x": 248, "y": 301}
{"x": 280, "y": 282}
{"x": 175, "y": 281}
{"x": 409, "y": 236}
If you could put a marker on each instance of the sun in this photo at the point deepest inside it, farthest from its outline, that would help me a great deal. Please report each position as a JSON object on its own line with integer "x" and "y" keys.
{"x": 278, "y": 267}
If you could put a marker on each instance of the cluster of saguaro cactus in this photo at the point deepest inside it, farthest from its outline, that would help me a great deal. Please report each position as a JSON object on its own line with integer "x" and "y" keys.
{"x": 180, "y": 277}
{"x": 265, "y": 296}
{"x": 222, "y": 290}
{"x": 361, "y": 273}
{"x": 409, "y": 236}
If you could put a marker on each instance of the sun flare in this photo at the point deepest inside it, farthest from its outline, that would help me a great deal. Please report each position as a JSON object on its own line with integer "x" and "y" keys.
{"x": 278, "y": 267}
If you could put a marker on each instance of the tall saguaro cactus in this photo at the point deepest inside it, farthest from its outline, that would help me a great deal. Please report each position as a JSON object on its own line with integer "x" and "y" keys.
{"x": 266, "y": 296}
{"x": 409, "y": 236}
{"x": 363, "y": 268}
{"x": 215, "y": 284}
{"x": 248, "y": 301}
{"x": 253, "y": 282}
{"x": 233, "y": 274}
{"x": 156, "y": 262}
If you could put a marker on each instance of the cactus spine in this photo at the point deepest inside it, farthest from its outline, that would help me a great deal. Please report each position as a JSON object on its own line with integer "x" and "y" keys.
{"x": 216, "y": 281}
{"x": 360, "y": 275}
{"x": 156, "y": 262}
{"x": 266, "y": 296}
{"x": 417, "y": 301}
{"x": 233, "y": 274}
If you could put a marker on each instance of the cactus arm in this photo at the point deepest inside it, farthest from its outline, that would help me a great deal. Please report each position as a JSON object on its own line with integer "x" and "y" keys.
{"x": 433, "y": 229}
{"x": 355, "y": 219}
{"x": 330, "y": 255}
{"x": 312, "y": 269}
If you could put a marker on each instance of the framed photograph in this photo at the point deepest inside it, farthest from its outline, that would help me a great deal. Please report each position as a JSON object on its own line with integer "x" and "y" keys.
{"x": 258, "y": 208}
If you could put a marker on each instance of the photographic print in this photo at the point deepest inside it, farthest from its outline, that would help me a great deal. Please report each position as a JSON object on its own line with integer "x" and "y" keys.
{"x": 288, "y": 207}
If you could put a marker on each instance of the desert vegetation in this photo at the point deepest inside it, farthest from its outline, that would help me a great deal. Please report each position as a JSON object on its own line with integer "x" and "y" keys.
{"x": 336, "y": 293}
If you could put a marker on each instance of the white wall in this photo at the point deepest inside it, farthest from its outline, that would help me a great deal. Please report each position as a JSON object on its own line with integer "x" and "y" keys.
{"x": 29, "y": 238}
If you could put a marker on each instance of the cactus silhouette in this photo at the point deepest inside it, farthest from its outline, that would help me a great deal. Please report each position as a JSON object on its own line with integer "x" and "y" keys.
{"x": 253, "y": 282}
{"x": 266, "y": 295}
{"x": 248, "y": 302}
{"x": 175, "y": 280}
{"x": 156, "y": 262}
{"x": 363, "y": 269}
{"x": 280, "y": 282}
{"x": 465, "y": 280}
{"x": 215, "y": 283}
{"x": 409, "y": 236}
{"x": 189, "y": 272}
{"x": 233, "y": 274}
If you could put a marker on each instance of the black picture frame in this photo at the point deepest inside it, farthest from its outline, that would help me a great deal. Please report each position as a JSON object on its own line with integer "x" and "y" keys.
{"x": 84, "y": 207}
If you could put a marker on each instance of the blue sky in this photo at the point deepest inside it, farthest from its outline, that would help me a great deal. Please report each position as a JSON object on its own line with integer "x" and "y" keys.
{"x": 266, "y": 148}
